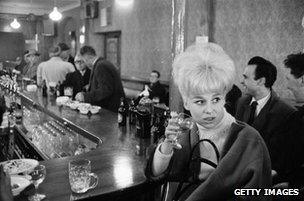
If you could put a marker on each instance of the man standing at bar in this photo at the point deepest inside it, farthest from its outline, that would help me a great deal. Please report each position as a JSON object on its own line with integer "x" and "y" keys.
{"x": 263, "y": 109}
{"x": 105, "y": 87}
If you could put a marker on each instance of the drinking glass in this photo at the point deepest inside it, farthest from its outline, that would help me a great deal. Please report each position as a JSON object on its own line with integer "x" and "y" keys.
{"x": 80, "y": 176}
{"x": 68, "y": 91}
{"x": 185, "y": 124}
{"x": 38, "y": 175}
{"x": 155, "y": 100}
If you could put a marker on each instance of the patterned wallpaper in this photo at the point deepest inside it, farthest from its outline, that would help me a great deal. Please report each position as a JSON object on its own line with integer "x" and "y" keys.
{"x": 268, "y": 28}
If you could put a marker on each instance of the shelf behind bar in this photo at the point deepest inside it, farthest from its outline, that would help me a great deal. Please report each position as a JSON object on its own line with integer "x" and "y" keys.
{"x": 21, "y": 132}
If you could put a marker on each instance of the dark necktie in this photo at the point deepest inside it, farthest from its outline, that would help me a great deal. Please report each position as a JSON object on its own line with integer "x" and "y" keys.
{"x": 252, "y": 112}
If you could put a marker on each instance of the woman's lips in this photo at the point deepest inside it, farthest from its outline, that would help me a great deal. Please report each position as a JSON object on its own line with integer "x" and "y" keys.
{"x": 209, "y": 119}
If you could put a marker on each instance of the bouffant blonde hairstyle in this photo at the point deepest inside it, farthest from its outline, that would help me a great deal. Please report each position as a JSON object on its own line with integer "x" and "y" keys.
{"x": 203, "y": 68}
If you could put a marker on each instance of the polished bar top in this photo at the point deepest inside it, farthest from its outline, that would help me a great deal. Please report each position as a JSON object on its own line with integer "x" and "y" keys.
{"x": 119, "y": 161}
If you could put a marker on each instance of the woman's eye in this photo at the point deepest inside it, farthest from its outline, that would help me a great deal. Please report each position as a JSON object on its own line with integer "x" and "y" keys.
{"x": 216, "y": 100}
{"x": 199, "y": 102}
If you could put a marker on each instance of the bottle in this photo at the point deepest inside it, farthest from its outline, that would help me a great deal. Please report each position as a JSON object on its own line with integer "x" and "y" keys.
{"x": 122, "y": 113}
{"x": 132, "y": 115}
{"x": 155, "y": 130}
{"x": 58, "y": 89}
{"x": 44, "y": 89}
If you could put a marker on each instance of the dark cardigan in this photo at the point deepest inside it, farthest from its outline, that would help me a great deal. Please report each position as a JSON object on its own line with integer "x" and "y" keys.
{"x": 244, "y": 163}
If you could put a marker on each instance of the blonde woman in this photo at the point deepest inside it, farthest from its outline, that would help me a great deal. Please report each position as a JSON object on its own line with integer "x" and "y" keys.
{"x": 219, "y": 155}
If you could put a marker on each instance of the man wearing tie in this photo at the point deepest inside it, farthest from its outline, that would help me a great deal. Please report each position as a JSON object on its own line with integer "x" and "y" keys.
{"x": 261, "y": 108}
{"x": 105, "y": 87}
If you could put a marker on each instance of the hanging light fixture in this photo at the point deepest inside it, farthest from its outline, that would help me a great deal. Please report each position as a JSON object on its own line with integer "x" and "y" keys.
{"x": 15, "y": 24}
{"x": 55, "y": 15}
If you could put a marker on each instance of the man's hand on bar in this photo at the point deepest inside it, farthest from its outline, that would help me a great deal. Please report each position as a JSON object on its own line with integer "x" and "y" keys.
{"x": 79, "y": 97}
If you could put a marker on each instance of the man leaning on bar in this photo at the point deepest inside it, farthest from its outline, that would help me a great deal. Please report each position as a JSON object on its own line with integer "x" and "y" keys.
{"x": 105, "y": 88}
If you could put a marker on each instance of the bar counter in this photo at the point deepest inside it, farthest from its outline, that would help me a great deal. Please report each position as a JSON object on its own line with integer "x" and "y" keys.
{"x": 118, "y": 161}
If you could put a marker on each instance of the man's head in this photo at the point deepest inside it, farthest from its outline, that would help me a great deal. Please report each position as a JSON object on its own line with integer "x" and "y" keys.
{"x": 64, "y": 51}
{"x": 295, "y": 62}
{"x": 154, "y": 76}
{"x": 259, "y": 74}
{"x": 25, "y": 57}
{"x": 89, "y": 55}
{"x": 32, "y": 56}
{"x": 79, "y": 62}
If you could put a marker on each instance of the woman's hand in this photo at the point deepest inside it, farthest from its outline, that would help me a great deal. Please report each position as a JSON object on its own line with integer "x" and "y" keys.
{"x": 171, "y": 134}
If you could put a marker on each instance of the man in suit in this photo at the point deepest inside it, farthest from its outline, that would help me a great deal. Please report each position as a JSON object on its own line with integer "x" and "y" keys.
{"x": 263, "y": 109}
{"x": 105, "y": 87}
{"x": 78, "y": 79}
{"x": 231, "y": 99}
{"x": 155, "y": 89}
{"x": 295, "y": 78}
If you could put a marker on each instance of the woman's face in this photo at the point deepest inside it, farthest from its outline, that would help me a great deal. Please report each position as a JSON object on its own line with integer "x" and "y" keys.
{"x": 206, "y": 109}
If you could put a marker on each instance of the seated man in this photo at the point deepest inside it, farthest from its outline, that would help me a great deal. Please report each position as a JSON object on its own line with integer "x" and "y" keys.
{"x": 155, "y": 89}
{"x": 263, "y": 109}
{"x": 78, "y": 79}
{"x": 293, "y": 128}
{"x": 231, "y": 99}
{"x": 295, "y": 79}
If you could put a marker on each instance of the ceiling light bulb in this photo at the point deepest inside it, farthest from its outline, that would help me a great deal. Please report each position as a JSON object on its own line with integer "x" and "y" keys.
{"x": 15, "y": 24}
{"x": 55, "y": 15}
{"x": 125, "y": 3}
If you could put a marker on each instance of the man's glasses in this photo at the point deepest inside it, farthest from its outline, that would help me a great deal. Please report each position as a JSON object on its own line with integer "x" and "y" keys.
{"x": 79, "y": 62}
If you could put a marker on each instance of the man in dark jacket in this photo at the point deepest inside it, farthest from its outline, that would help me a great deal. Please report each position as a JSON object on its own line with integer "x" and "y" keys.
{"x": 78, "y": 79}
{"x": 264, "y": 110}
{"x": 154, "y": 90}
{"x": 105, "y": 87}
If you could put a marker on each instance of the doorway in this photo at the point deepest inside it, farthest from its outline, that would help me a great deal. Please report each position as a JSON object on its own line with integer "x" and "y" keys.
{"x": 112, "y": 49}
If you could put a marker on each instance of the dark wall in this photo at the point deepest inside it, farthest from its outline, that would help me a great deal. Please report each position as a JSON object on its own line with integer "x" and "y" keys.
{"x": 11, "y": 46}
{"x": 28, "y": 28}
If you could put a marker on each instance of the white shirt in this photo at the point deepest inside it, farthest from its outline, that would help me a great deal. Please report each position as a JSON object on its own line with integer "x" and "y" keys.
{"x": 261, "y": 103}
{"x": 53, "y": 70}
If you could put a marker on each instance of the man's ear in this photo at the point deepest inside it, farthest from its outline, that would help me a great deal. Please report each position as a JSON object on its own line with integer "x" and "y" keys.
{"x": 261, "y": 81}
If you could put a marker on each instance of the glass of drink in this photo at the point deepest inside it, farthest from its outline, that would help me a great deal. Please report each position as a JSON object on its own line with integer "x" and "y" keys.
{"x": 155, "y": 100}
{"x": 68, "y": 91}
{"x": 38, "y": 175}
{"x": 80, "y": 176}
{"x": 185, "y": 124}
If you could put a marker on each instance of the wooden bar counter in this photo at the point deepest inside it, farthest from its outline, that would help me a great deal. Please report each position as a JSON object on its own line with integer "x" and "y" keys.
{"x": 119, "y": 161}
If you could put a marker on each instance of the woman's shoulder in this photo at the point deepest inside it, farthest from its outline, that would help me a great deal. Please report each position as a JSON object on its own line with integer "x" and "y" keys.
{"x": 244, "y": 134}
